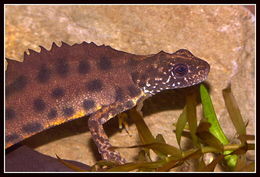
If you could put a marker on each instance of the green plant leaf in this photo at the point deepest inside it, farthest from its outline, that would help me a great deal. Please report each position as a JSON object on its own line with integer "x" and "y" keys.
{"x": 180, "y": 125}
{"x": 147, "y": 138}
{"x": 143, "y": 130}
{"x": 169, "y": 165}
{"x": 234, "y": 112}
{"x": 201, "y": 164}
{"x": 69, "y": 165}
{"x": 215, "y": 129}
{"x": 192, "y": 117}
{"x": 162, "y": 148}
{"x": 134, "y": 166}
{"x": 210, "y": 115}
{"x": 160, "y": 139}
{"x": 207, "y": 138}
{"x": 172, "y": 162}
{"x": 244, "y": 138}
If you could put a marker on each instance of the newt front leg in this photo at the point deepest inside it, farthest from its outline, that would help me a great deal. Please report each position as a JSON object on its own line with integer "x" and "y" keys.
{"x": 99, "y": 136}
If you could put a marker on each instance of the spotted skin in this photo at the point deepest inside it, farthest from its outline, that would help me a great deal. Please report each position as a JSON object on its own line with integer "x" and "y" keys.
{"x": 62, "y": 67}
{"x": 95, "y": 123}
{"x": 83, "y": 67}
{"x": 68, "y": 82}
{"x": 52, "y": 114}
{"x": 58, "y": 93}
{"x": 44, "y": 74}
{"x": 39, "y": 105}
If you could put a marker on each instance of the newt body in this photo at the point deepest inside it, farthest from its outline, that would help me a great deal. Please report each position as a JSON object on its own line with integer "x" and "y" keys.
{"x": 68, "y": 82}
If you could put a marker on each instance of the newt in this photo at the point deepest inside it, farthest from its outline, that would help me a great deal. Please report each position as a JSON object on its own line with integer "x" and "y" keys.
{"x": 67, "y": 82}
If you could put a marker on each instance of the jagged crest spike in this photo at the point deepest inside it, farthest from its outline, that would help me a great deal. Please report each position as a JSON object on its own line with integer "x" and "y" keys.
{"x": 53, "y": 46}
{"x": 64, "y": 44}
{"x": 43, "y": 49}
{"x": 92, "y": 43}
{"x": 25, "y": 54}
{"x": 32, "y": 52}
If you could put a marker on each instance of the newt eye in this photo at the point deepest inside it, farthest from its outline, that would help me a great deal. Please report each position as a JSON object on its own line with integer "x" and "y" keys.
{"x": 180, "y": 70}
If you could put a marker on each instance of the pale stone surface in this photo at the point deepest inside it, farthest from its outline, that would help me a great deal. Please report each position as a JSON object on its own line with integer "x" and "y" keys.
{"x": 224, "y": 35}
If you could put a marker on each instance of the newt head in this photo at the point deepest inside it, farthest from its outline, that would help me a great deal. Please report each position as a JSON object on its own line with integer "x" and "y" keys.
{"x": 170, "y": 71}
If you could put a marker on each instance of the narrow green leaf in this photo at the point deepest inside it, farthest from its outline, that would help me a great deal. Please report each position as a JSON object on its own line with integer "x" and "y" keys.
{"x": 69, "y": 165}
{"x": 234, "y": 111}
{"x": 180, "y": 125}
{"x": 210, "y": 115}
{"x": 244, "y": 138}
{"x": 207, "y": 138}
{"x": 105, "y": 163}
{"x": 231, "y": 160}
{"x": 147, "y": 137}
{"x": 141, "y": 156}
{"x": 192, "y": 154}
{"x": 215, "y": 129}
{"x": 134, "y": 166}
{"x": 166, "y": 149}
{"x": 192, "y": 117}
{"x": 160, "y": 139}
{"x": 125, "y": 167}
{"x": 250, "y": 146}
{"x": 201, "y": 164}
{"x": 142, "y": 128}
{"x": 172, "y": 163}
{"x": 162, "y": 148}
{"x": 168, "y": 166}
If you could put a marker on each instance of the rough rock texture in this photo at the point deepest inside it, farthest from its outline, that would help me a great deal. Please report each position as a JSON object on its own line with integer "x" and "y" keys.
{"x": 224, "y": 35}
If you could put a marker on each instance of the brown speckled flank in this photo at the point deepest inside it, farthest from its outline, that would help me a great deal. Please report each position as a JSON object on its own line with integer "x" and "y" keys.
{"x": 68, "y": 82}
